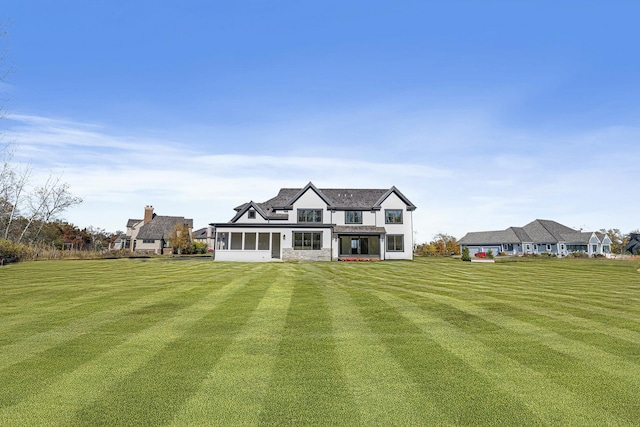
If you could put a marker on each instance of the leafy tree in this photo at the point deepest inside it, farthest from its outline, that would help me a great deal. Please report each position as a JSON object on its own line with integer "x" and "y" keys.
{"x": 441, "y": 245}
{"x": 465, "y": 254}
{"x": 180, "y": 238}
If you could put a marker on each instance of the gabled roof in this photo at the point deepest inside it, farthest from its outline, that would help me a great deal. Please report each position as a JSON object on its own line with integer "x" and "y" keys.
{"x": 577, "y": 237}
{"x": 546, "y": 231}
{"x": 410, "y": 206}
{"x": 161, "y": 227}
{"x": 200, "y": 233}
{"x": 335, "y": 198}
{"x": 265, "y": 211}
{"x": 494, "y": 237}
{"x": 304, "y": 190}
{"x": 539, "y": 231}
{"x": 133, "y": 222}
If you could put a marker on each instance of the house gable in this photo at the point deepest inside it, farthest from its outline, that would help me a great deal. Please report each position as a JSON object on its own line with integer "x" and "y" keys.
{"x": 304, "y": 192}
{"x": 244, "y": 213}
{"x": 393, "y": 190}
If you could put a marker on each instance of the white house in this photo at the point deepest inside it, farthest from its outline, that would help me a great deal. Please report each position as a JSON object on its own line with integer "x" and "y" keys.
{"x": 539, "y": 236}
{"x": 314, "y": 224}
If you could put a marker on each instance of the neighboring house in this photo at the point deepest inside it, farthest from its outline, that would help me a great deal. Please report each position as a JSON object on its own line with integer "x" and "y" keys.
{"x": 539, "y": 236}
{"x": 121, "y": 242}
{"x": 634, "y": 244}
{"x": 151, "y": 234}
{"x": 204, "y": 235}
{"x": 319, "y": 225}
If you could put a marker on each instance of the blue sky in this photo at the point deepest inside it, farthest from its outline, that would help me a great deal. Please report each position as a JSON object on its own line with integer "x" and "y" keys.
{"x": 486, "y": 114}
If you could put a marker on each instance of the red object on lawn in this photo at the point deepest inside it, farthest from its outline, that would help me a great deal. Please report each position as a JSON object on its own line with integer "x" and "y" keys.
{"x": 481, "y": 255}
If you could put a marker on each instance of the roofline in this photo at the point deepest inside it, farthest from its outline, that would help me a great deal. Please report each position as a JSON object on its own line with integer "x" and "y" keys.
{"x": 304, "y": 190}
{"x": 393, "y": 189}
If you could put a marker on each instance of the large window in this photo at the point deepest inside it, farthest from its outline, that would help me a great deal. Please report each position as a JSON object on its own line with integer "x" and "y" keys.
{"x": 353, "y": 217}
{"x": 309, "y": 215}
{"x": 395, "y": 243}
{"x": 307, "y": 241}
{"x": 393, "y": 216}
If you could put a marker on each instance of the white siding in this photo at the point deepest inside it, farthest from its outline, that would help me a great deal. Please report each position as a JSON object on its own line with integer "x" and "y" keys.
{"x": 405, "y": 229}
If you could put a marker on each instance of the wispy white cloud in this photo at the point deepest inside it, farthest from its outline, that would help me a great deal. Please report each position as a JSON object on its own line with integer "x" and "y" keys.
{"x": 464, "y": 181}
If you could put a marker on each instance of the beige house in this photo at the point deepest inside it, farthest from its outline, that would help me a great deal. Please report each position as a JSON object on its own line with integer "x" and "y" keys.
{"x": 151, "y": 234}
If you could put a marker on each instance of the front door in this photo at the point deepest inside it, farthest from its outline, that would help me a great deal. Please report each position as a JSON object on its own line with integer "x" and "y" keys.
{"x": 275, "y": 245}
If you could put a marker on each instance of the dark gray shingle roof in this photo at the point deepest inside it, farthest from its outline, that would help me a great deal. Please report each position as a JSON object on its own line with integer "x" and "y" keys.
{"x": 539, "y": 231}
{"x": 338, "y": 198}
{"x": 160, "y": 227}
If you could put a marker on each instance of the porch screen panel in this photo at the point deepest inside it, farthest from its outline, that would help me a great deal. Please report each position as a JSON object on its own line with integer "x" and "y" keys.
{"x": 249, "y": 241}
{"x": 236, "y": 241}
{"x": 263, "y": 241}
{"x": 222, "y": 242}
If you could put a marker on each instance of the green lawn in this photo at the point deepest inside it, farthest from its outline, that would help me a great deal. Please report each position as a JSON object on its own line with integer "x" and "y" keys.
{"x": 429, "y": 342}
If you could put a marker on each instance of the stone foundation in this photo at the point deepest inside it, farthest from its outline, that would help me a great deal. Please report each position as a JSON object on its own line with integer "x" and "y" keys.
{"x": 292, "y": 255}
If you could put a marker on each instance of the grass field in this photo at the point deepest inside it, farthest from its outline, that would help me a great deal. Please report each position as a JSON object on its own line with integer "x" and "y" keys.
{"x": 429, "y": 342}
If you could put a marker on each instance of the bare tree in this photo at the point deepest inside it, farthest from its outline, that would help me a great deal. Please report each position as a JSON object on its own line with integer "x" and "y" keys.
{"x": 55, "y": 198}
{"x": 15, "y": 186}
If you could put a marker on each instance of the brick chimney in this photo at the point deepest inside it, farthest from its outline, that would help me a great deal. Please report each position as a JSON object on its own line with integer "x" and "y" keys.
{"x": 148, "y": 214}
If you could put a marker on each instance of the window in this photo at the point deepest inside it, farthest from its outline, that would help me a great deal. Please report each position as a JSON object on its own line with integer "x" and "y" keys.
{"x": 263, "y": 241}
{"x": 393, "y": 216}
{"x": 236, "y": 241}
{"x": 395, "y": 243}
{"x": 249, "y": 241}
{"x": 251, "y": 214}
{"x": 148, "y": 241}
{"x": 309, "y": 215}
{"x": 307, "y": 241}
{"x": 548, "y": 247}
{"x": 353, "y": 217}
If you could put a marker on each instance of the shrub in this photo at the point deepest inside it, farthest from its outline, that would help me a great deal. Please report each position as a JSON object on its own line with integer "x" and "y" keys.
{"x": 578, "y": 255}
{"x": 199, "y": 248}
{"x": 490, "y": 254}
{"x": 465, "y": 254}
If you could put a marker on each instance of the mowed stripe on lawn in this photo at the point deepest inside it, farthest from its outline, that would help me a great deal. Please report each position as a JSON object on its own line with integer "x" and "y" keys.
{"x": 424, "y": 342}
{"x": 90, "y": 382}
{"x": 234, "y": 390}
{"x": 308, "y": 384}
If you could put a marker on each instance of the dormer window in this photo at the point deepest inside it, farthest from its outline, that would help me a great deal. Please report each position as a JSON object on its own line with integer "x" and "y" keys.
{"x": 251, "y": 214}
{"x": 310, "y": 215}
